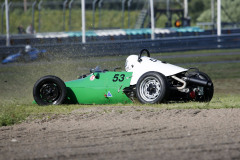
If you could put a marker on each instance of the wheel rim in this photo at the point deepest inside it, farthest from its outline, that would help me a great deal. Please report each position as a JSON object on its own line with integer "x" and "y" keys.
{"x": 150, "y": 89}
{"x": 50, "y": 92}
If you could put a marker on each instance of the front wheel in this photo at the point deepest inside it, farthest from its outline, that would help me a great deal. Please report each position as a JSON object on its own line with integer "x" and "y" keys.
{"x": 49, "y": 90}
{"x": 152, "y": 88}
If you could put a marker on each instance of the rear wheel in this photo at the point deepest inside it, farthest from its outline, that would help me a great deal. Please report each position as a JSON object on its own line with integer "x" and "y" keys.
{"x": 203, "y": 94}
{"x": 152, "y": 88}
{"x": 49, "y": 90}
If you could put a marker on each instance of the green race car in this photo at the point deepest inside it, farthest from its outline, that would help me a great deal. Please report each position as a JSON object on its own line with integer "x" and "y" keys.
{"x": 146, "y": 79}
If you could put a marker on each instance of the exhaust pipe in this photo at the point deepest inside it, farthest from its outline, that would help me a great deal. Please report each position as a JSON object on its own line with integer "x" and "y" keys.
{"x": 200, "y": 82}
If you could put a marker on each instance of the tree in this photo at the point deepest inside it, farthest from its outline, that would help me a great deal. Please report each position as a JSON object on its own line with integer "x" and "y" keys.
{"x": 230, "y": 12}
{"x": 197, "y": 7}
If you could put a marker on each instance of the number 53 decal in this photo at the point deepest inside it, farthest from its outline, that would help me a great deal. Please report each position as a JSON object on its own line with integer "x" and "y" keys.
{"x": 118, "y": 77}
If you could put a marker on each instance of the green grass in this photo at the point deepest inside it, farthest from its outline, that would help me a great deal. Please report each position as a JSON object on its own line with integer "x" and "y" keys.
{"x": 17, "y": 80}
{"x": 219, "y": 101}
{"x": 15, "y": 113}
{"x": 52, "y": 20}
{"x": 204, "y": 59}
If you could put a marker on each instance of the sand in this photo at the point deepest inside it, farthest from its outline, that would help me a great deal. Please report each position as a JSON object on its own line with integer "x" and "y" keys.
{"x": 126, "y": 132}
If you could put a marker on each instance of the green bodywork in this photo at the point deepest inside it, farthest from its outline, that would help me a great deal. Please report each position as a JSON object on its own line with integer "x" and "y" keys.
{"x": 99, "y": 88}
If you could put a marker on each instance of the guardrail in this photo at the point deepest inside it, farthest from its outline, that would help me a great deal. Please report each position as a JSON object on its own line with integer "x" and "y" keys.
{"x": 107, "y": 35}
{"x": 125, "y": 47}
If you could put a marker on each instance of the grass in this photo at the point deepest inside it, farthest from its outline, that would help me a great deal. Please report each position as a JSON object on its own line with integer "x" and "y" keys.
{"x": 219, "y": 101}
{"x": 205, "y": 59}
{"x": 52, "y": 20}
{"x": 17, "y": 80}
{"x": 15, "y": 113}
{"x": 199, "y": 52}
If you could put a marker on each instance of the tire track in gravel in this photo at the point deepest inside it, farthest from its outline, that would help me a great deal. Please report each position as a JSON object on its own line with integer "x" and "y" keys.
{"x": 106, "y": 133}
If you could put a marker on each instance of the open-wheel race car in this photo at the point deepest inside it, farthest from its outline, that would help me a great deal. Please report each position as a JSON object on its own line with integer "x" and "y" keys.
{"x": 26, "y": 55}
{"x": 146, "y": 79}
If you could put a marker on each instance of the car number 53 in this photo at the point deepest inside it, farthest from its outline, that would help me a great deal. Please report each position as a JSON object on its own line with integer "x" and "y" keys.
{"x": 118, "y": 77}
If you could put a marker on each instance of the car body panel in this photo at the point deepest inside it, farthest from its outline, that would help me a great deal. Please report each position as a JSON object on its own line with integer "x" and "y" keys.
{"x": 11, "y": 58}
{"x": 148, "y": 64}
{"x": 99, "y": 88}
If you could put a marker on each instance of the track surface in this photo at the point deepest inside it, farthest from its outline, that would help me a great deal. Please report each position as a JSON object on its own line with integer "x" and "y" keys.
{"x": 126, "y": 132}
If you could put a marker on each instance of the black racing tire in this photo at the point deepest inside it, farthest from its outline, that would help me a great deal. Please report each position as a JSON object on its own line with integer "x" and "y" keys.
{"x": 49, "y": 90}
{"x": 207, "y": 90}
{"x": 151, "y": 88}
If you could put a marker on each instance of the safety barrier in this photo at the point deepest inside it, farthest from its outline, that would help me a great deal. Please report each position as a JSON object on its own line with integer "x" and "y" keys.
{"x": 121, "y": 47}
{"x": 107, "y": 35}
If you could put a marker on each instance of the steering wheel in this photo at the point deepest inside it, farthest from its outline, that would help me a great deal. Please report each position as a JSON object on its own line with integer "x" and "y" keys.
{"x": 140, "y": 54}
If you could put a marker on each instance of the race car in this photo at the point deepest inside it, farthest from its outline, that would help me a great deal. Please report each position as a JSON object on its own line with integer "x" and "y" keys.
{"x": 26, "y": 55}
{"x": 146, "y": 80}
